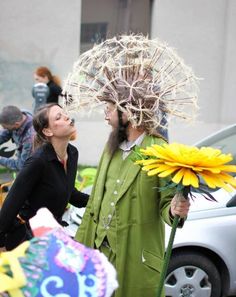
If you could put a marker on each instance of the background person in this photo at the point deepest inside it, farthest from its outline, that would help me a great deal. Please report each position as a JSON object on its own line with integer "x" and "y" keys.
{"x": 17, "y": 126}
{"x": 43, "y": 75}
{"x": 47, "y": 178}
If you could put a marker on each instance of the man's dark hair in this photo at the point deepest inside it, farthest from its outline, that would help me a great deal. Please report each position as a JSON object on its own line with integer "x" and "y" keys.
{"x": 118, "y": 135}
{"x": 10, "y": 115}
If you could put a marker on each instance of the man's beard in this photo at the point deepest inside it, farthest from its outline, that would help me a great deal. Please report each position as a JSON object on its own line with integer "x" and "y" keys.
{"x": 116, "y": 137}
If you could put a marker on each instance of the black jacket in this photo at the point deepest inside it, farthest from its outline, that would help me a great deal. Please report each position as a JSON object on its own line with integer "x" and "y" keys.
{"x": 54, "y": 92}
{"x": 42, "y": 182}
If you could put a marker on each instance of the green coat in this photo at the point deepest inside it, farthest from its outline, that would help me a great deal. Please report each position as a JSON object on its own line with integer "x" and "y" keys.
{"x": 140, "y": 213}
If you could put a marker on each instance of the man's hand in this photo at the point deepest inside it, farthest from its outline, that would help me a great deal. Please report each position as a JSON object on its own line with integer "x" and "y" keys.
{"x": 179, "y": 205}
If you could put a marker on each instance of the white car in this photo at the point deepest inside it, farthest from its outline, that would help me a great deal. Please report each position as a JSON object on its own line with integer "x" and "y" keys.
{"x": 203, "y": 261}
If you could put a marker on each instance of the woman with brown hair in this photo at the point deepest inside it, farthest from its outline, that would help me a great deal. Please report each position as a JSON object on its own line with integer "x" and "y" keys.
{"x": 47, "y": 178}
{"x": 43, "y": 75}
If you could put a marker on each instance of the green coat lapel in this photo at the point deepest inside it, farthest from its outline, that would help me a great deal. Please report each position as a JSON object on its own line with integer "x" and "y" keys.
{"x": 100, "y": 183}
{"x": 132, "y": 168}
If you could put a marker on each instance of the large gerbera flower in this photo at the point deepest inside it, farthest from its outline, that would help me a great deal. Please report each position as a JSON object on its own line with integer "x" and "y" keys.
{"x": 187, "y": 164}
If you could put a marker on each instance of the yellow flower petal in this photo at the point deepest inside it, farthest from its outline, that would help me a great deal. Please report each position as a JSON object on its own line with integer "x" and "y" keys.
{"x": 168, "y": 172}
{"x": 149, "y": 167}
{"x": 228, "y": 168}
{"x": 188, "y": 163}
{"x": 190, "y": 179}
{"x": 178, "y": 176}
{"x": 153, "y": 172}
{"x": 208, "y": 179}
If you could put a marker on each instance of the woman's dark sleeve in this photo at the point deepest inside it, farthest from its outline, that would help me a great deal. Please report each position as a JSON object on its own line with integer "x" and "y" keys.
{"x": 20, "y": 191}
{"x": 78, "y": 199}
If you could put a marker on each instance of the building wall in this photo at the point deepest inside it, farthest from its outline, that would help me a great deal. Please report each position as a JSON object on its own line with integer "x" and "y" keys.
{"x": 203, "y": 33}
{"x": 121, "y": 16}
{"x": 35, "y": 33}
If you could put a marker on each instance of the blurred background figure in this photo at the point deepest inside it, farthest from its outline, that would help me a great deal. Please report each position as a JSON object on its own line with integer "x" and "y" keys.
{"x": 18, "y": 127}
{"x": 43, "y": 75}
{"x": 40, "y": 92}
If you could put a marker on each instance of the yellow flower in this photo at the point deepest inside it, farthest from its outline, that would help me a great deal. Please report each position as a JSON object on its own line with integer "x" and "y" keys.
{"x": 187, "y": 164}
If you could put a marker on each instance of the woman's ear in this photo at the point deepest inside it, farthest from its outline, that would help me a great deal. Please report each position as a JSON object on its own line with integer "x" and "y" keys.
{"x": 47, "y": 132}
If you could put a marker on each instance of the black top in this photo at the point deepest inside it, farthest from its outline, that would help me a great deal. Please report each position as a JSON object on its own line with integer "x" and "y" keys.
{"x": 42, "y": 182}
{"x": 54, "y": 92}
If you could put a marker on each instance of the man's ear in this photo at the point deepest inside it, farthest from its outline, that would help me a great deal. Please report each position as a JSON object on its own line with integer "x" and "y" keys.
{"x": 47, "y": 132}
{"x": 125, "y": 117}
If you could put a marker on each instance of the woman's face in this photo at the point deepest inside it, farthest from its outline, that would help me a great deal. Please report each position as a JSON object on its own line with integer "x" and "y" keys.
{"x": 60, "y": 124}
{"x": 41, "y": 79}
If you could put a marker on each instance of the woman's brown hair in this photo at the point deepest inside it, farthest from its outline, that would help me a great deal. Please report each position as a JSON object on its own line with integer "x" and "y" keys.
{"x": 41, "y": 121}
{"x": 44, "y": 71}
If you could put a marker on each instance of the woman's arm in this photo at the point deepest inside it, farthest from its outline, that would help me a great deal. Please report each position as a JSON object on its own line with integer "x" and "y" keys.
{"x": 20, "y": 191}
{"x": 78, "y": 199}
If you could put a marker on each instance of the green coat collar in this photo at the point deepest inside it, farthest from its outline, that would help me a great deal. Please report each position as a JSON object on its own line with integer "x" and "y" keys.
{"x": 134, "y": 169}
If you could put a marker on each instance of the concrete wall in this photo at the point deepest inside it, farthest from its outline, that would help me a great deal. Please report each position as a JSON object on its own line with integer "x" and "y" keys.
{"x": 203, "y": 32}
{"x": 47, "y": 33}
{"x": 121, "y": 16}
{"x": 35, "y": 33}
{"x": 135, "y": 17}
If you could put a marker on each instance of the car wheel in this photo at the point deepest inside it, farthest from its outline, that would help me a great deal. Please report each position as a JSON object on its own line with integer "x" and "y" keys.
{"x": 190, "y": 275}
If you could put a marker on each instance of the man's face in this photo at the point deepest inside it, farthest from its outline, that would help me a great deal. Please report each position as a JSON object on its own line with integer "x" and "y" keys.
{"x": 10, "y": 127}
{"x": 111, "y": 115}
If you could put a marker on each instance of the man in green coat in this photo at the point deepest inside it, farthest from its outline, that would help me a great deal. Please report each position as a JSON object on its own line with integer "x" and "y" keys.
{"x": 143, "y": 83}
{"x": 126, "y": 212}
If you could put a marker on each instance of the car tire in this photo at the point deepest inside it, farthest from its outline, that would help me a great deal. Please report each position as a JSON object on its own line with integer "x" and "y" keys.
{"x": 192, "y": 274}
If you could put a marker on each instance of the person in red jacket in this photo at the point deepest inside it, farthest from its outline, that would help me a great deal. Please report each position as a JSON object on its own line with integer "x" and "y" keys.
{"x": 44, "y": 75}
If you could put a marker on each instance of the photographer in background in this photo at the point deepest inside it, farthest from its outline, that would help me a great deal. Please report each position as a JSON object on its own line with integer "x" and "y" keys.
{"x": 17, "y": 126}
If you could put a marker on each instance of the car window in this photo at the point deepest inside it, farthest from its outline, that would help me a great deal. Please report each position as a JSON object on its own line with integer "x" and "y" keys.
{"x": 221, "y": 196}
{"x": 225, "y": 140}
{"x": 227, "y": 145}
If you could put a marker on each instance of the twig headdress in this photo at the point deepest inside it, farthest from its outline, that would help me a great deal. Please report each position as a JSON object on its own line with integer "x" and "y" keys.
{"x": 142, "y": 77}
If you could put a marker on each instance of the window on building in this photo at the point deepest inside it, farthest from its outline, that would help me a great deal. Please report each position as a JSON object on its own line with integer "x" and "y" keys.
{"x": 93, "y": 32}
{"x": 111, "y": 18}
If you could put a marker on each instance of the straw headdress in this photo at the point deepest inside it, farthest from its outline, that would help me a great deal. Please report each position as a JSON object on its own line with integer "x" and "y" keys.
{"x": 144, "y": 78}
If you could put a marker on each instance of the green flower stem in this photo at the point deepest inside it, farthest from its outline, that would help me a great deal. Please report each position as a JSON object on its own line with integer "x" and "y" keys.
{"x": 167, "y": 255}
{"x": 182, "y": 194}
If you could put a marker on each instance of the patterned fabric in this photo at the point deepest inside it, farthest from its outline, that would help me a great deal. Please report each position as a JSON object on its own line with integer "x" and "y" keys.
{"x": 56, "y": 265}
{"x": 23, "y": 139}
